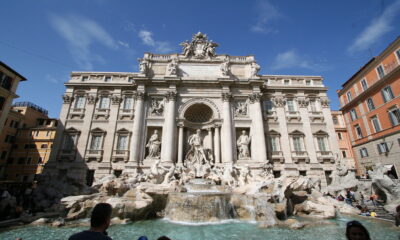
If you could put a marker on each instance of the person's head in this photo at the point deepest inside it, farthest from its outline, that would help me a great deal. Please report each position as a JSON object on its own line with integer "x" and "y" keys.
{"x": 155, "y": 131}
{"x": 163, "y": 238}
{"x": 244, "y": 132}
{"x": 101, "y": 216}
{"x": 198, "y": 131}
{"x": 356, "y": 231}
{"x": 398, "y": 209}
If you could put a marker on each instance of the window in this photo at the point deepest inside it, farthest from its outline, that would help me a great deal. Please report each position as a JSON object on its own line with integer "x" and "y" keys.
{"x": 308, "y": 82}
{"x": 344, "y": 154}
{"x": 128, "y": 103}
{"x": 286, "y": 82}
{"x": 364, "y": 84}
{"x": 117, "y": 173}
{"x": 21, "y": 160}
{"x": 387, "y": 94}
{"x": 398, "y": 54}
{"x": 85, "y": 78}
{"x": 70, "y": 141}
{"x": 268, "y": 106}
{"x": 370, "y": 103}
{"x": 381, "y": 72}
{"x": 335, "y": 120}
{"x": 358, "y": 131}
{"x": 40, "y": 160}
{"x": 353, "y": 114}
{"x": 43, "y": 146}
{"x": 16, "y": 124}
{"x": 303, "y": 173}
{"x": 349, "y": 98}
{"x": 79, "y": 102}
{"x": 2, "y": 101}
{"x": 47, "y": 133}
{"x": 290, "y": 105}
{"x": 375, "y": 122}
{"x": 11, "y": 123}
{"x": 297, "y": 143}
{"x": 107, "y": 79}
{"x": 37, "y": 133}
{"x": 130, "y": 79}
{"x": 10, "y": 160}
{"x": 274, "y": 143}
{"x": 5, "y": 81}
{"x": 321, "y": 144}
{"x": 363, "y": 152}
{"x": 339, "y": 135}
{"x": 96, "y": 142}
{"x": 122, "y": 143}
{"x": 3, "y": 155}
{"x": 394, "y": 115}
{"x": 104, "y": 102}
{"x": 26, "y": 146}
{"x": 383, "y": 148}
{"x": 32, "y": 145}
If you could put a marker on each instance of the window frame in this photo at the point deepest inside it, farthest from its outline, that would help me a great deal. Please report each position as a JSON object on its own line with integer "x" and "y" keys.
{"x": 376, "y": 123}
{"x": 349, "y": 96}
{"x": 380, "y": 74}
{"x": 359, "y": 133}
{"x": 395, "y": 115}
{"x": 370, "y": 104}
{"x": 390, "y": 93}
{"x": 353, "y": 114}
{"x": 364, "y": 84}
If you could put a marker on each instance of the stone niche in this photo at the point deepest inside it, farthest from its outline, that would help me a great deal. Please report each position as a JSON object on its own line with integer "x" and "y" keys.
{"x": 150, "y": 140}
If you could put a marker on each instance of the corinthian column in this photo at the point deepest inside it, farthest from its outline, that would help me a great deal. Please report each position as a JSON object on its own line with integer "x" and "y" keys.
{"x": 227, "y": 146}
{"x": 137, "y": 126}
{"x": 180, "y": 144}
{"x": 258, "y": 136}
{"x": 169, "y": 129}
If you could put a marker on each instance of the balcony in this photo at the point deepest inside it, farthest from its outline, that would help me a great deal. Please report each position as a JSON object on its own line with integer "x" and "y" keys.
{"x": 93, "y": 155}
{"x": 101, "y": 113}
{"x": 299, "y": 156}
{"x": 126, "y": 114}
{"x": 293, "y": 116}
{"x": 324, "y": 156}
{"x": 77, "y": 113}
{"x": 120, "y": 155}
{"x": 277, "y": 157}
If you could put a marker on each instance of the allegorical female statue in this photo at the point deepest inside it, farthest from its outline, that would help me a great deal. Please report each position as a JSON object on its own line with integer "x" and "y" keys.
{"x": 154, "y": 145}
{"x": 243, "y": 145}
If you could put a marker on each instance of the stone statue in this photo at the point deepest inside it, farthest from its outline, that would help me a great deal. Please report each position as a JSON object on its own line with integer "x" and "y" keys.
{"x": 228, "y": 177}
{"x": 225, "y": 67}
{"x": 186, "y": 47}
{"x": 244, "y": 175}
{"x": 154, "y": 146}
{"x": 196, "y": 158}
{"x": 143, "y": 66}
{"x": 254, "y": 69}
{"x": 168, "y": 177}
{"x": 157, "y": 107}
{"x": 172, "y": 68}
{"x": 210, "y": 49}
{"x": 241, "y": 109}
{"x": 243, "y": 145}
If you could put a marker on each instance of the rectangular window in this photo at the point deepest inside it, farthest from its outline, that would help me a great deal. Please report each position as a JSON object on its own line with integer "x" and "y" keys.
{"x": 335, "y": 120}
{"x": 375, "y": 122}
{"x": 349, "y": 97}
{"x": 286, "y": 82}
{"x": 383, "y": 148}
{"x": 297, "y": 144}
{"x": 290, "y": 105}
{"x": 128, "y": 103}
{"x": 274, "y": 143}
{"x": 104, "y": 102}
{"x": 398, "y": 54}
{"x": 3, "y": 155}
{"x": 358, "y": 131}
{"x": 321, "y": 144}
{"x": 363, "y": 152}
{"x": 37, "y": 133}
{"x": 107, "y": 79}
{"x": 370, "y": 103}
{"x": 344, "y": 154}
{"x": 69, "y": 141}
{"x": 394, "y": 115}
{"x": 80, "y": 102}
{"x": 40, "y": 160}
{"x": 85, "y": 78}
{"x": 96, "y": 142}
{"x": 353, "y": 114}
{"x": 364, "y": 84}
{"x": 5, "y": 81}
{"x": 43, "y": 146}
{"x": 308, "y": 82}
{"x": 339, "y": 135}
{"x": 381, "y": 72}
{"x": 122, "y": 143}
{"x": 21, "y": 160}
{"x": 387, "y": 94}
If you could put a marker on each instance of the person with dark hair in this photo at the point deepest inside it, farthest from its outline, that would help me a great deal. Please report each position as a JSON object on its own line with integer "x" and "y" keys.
{"x": 163, "y": 238}
{"x": 99, "y": 222}
{"x": 356, "y": 231}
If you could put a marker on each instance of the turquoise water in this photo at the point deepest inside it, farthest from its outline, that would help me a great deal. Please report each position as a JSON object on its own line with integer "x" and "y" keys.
{"x": 234, "y": 230}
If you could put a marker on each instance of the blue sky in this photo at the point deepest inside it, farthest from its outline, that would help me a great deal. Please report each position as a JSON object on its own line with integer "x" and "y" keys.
{"x": 45, "y": 40}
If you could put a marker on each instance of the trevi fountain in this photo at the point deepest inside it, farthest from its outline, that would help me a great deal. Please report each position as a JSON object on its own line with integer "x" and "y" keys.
{"x": 199, "y": 146}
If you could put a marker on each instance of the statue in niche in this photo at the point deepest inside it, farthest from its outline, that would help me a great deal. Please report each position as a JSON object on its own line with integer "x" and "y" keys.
{"x": 172, "y": 68}
{"x": 157, "y": 107}
{"x": 154, "y": 145}
{"x": 241, "y": 109}
{"x": 196, "y": 157}
{"x": 254, "y": 69}
{"x": 243, "y": 145}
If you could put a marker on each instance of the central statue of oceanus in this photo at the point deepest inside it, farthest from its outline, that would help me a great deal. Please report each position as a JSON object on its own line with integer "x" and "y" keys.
{"x": 197, "y": 158}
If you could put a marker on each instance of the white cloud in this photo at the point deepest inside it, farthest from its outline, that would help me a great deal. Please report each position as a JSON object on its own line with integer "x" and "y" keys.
{"x": 124, "y": 44}
{"x": 81, "y": 33}
{"x": 377, "y": 28}
{"x": 291, "y": 59}
{"x": 266, "y": 14}
{"x": 159, "y": 46}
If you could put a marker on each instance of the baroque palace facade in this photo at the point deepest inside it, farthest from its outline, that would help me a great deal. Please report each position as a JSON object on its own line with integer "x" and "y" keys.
{"x": 194, "y": 107}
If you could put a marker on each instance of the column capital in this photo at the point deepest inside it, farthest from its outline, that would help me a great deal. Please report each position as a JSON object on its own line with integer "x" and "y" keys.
{"x": 303, "y": 101}
{"x": 255, "y": 97}
{"x": 226, "y": 96}
{"x": 279, "y": 101}
{"x": 91, "y": 99}
{"x": 324, "y": 102}
{"x": 139, "y": 95}
{"x": 67, "y": 99}
{"x": 170, "y": 96}
{"x": 116, "y": 99}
